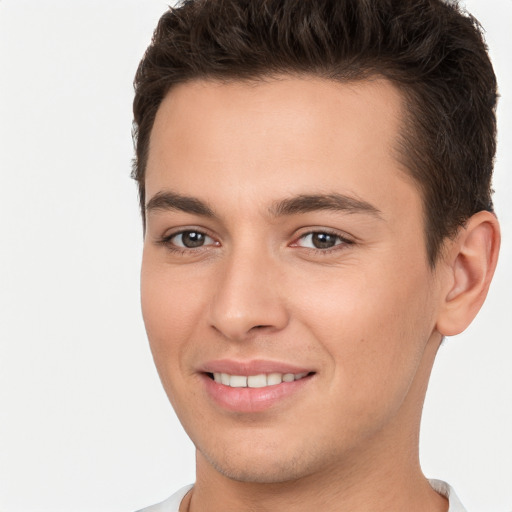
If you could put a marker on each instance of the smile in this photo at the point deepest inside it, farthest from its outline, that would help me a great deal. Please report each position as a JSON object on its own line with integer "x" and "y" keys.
{"x": 261, "y": 380}
{"x": 255, "y": 386}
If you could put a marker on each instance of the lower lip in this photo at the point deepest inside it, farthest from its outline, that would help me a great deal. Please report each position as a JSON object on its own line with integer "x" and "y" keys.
{"x": 248, "y": 400}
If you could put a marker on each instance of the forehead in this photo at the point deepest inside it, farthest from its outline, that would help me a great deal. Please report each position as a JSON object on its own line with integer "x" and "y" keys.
{"x": 287, "y": 134}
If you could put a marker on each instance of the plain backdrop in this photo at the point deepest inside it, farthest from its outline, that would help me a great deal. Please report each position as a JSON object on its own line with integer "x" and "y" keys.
{"x": 84, "y": 424}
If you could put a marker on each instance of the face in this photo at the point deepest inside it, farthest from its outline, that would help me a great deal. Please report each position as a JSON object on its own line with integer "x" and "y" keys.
{"x": 286, "y": 292}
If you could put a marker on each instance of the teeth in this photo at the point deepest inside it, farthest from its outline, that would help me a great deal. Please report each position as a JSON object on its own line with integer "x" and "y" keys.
{"x": 256, "y": 381}
{"x": 274, "y": 378}
{"x": 238, "y": 381}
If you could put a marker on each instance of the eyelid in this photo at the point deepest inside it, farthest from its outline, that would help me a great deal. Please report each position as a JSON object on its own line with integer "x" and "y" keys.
{"x": 176, "y": 235}
{"x": 167, "y": 239}
{"x": 343, "y": 238}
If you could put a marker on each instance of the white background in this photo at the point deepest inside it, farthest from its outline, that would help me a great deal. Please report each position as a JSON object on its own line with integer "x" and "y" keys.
{"x": 84, "y": 424}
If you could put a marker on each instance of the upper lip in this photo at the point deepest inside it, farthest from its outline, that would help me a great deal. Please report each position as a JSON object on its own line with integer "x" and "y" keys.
{"x": 253, "y": 367}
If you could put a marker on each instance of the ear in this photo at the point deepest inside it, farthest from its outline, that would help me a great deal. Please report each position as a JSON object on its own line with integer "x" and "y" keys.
{"x": 470, "y": 260}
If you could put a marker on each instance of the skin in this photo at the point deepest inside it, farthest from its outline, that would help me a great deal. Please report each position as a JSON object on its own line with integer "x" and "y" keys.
{"x": 366, "y": 315}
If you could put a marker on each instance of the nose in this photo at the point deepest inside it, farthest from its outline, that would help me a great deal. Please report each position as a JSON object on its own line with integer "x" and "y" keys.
{"x": 248, "y": 297}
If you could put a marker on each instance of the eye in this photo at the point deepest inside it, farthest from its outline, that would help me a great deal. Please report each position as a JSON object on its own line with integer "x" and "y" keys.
{"x": 321, "y": 240}
{"x": 190, "y": 239}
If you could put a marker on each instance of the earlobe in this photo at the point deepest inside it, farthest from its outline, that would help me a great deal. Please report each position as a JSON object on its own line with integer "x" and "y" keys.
{"x": 471, "y": 260}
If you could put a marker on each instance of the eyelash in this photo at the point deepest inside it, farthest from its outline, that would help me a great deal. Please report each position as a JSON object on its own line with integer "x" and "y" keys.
{"x": 166, "y": 241}
{"x": 343, "y": 241}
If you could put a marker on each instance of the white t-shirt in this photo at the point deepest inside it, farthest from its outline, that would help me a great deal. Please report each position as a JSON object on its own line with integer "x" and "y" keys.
{"x": 172, "y": 504}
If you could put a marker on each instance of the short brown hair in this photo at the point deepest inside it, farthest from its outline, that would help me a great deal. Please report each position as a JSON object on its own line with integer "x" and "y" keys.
{"x": 431, "y": 50}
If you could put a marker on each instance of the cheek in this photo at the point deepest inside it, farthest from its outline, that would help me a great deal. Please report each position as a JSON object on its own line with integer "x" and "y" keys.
{"x": 170, "y": 318}
{"x": 373, "y": 324}
{"x": 170, "y": 310}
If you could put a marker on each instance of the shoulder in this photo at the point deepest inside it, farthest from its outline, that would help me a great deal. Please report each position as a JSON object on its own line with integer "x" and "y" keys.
{"x": 446, "y": 490}
{"x": 171, "y": 504}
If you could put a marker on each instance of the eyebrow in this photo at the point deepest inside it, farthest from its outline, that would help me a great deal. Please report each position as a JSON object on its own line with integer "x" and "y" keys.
{"x": 306, "y": 203}
{"x": 165, "y": 201}
{"x": 303, "y": 203}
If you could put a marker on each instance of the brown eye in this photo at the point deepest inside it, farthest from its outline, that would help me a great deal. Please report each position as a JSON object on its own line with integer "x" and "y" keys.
{"x": 320, "y": 240}
{"x": 191, "y": 239}
{"x": 323, "y": 240}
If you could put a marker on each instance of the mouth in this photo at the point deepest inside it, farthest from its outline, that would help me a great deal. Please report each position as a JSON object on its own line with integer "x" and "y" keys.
{"x": 261, "y": 380}
{"x": 256, "y": 386}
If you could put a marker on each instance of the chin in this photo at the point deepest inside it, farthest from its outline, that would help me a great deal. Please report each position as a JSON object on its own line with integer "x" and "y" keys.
{"x": 263, "y": 466}
{"x": 264, "y": 474}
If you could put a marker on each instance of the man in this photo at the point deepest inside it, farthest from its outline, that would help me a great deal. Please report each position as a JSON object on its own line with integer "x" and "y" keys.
{"x": 315, "y": 183}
